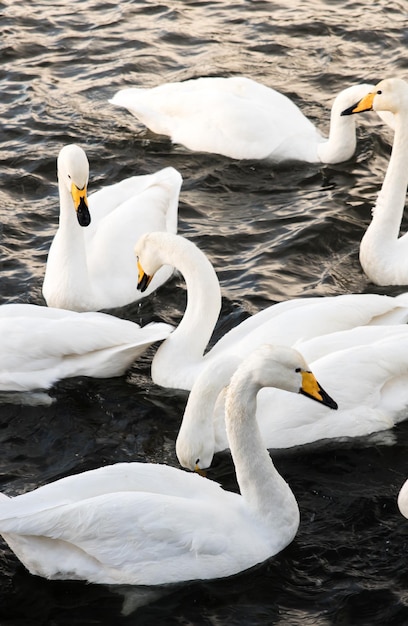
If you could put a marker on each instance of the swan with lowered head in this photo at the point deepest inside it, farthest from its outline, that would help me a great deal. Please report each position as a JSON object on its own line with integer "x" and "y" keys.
{"x": 180, "y": 358}
{"x": 241, "y": 119}
{"x": 90, "y": 263}
{"x": 372, "y": 394}
{"x": 383, "y": 253}
{"x": 41, "y": 345}
{"x": 147, "y": 524}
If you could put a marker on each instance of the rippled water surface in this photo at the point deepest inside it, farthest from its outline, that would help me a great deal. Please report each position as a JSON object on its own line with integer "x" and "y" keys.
{"x": 271, "y": 232}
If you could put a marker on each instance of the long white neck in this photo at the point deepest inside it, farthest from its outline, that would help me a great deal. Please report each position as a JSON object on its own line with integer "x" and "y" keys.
{"x": 196, "y": 440}
{"x": 341, "y": 144}
{"x": 379, "y": 254}
{"x": 67, "y": 263}
{"x": 179, "y": 359}
{"x": 262, "y": 487}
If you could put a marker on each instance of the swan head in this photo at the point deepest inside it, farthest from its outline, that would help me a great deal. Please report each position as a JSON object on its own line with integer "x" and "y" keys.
{"x": 284, "y": 368}
{"x": 155, "y": 249}
{"x": 390, "y": 95}
{"x": 148, "y": 261}
{"x": 73, "y": 174}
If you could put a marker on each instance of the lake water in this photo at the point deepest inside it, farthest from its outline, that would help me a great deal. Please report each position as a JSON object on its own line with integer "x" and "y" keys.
{"x": 271, "y": 232}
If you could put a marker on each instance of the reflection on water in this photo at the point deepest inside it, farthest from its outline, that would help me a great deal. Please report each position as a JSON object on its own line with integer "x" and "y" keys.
{"x": 271, "y": 232}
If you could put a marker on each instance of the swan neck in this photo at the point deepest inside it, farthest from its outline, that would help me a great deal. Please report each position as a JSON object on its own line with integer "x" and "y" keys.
{"x": 391, "y": 199}
{"x": 66, "y": 282}
{"x": 260, "y": 484}
{"x": 186, "y": 345}
{"x": 341, "y": 143}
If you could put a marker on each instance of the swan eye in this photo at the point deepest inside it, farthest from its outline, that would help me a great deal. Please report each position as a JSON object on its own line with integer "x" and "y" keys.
{"x": 298, "y": 369}
{"x": 379, "y": 92}
{"x": 197, "y": 461}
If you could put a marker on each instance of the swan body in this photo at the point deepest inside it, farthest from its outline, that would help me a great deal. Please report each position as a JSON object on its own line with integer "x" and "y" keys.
{"x": 241, "y": 119}
{"x": 372, "y": 394}
{"x": 90, "y": 264}
{"x": 180, "y": 358}
{"x": 41, "y": 345}
{"x": 146, "y": 524}
{"x": 383, "y": 253}
{"x": 403, "y": 499}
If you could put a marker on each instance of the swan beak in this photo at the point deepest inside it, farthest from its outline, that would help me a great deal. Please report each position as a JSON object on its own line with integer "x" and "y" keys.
{"x": 365, "y": 104}
{"x": 198, "y": 470}
{"x": 311, "y": 388}
{"x": 143, "y": 278}
{"x": 81, "y": 205}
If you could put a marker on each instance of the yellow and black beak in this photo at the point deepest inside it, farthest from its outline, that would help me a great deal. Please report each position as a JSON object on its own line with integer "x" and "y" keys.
{"x": 144, "y": 279}
{"x": 81, "y": 205}
{"x": 311, "y": 388}
{"x": 365, "y": 104}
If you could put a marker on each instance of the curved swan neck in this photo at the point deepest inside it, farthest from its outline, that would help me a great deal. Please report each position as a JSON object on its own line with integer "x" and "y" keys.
{"x": 199, "y": 413}
{"x": 187, "y": 343}
{"x": 341, "y": 143}
{"x": 260, "y": 483}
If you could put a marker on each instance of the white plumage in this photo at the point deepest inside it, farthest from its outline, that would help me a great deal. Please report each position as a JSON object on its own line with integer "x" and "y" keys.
{"x": 181, "y": 357}
{"x": 145, "y": 524}
{"x": 383, "y": 253}
{"x": 91, "y": 266}
{"x": 242, "y": 119}
{"x": 365, "y": 368}
{"x": 41, "y": 345}
{"x": 403, "y": 499}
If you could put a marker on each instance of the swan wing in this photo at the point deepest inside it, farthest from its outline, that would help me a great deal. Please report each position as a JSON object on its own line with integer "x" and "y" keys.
{"x": 129, "y": 536}
{"x": 42, "y": 345}
{"x": 112, "y": 197}
{"x": 369, "y": 382}
{"x": 304, "y": 318}
{"x": 127, "y": 210}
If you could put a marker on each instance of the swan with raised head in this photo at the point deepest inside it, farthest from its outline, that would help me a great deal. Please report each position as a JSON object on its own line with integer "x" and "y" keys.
{"x": 383, "y": 253}
{"x": 41, "y": 345}
{"x": 372, "y": 394}
{"x": 180, "y": 358}
{"x": 403, "y": 499}
{"x": 241, "y": 119}
{"x": 146, "y": 524}
{"x": 90, "y": 263}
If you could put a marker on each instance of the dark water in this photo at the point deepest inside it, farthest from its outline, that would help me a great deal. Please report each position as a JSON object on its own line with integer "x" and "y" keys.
{"x": 271, "y": 232}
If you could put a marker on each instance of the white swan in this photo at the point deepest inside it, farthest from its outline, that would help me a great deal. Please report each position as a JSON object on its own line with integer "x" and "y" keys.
{"x": 40, "y": 345}
{"x": 403, "y": 499}
{"x": 383, "y": 254}
{"x": 146, "y": 524}
{"x": 91, "y": 266}
{"x": 372, "y": 394}
{"x": 180, "y": 358}
{"x": 241, "y": 119}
